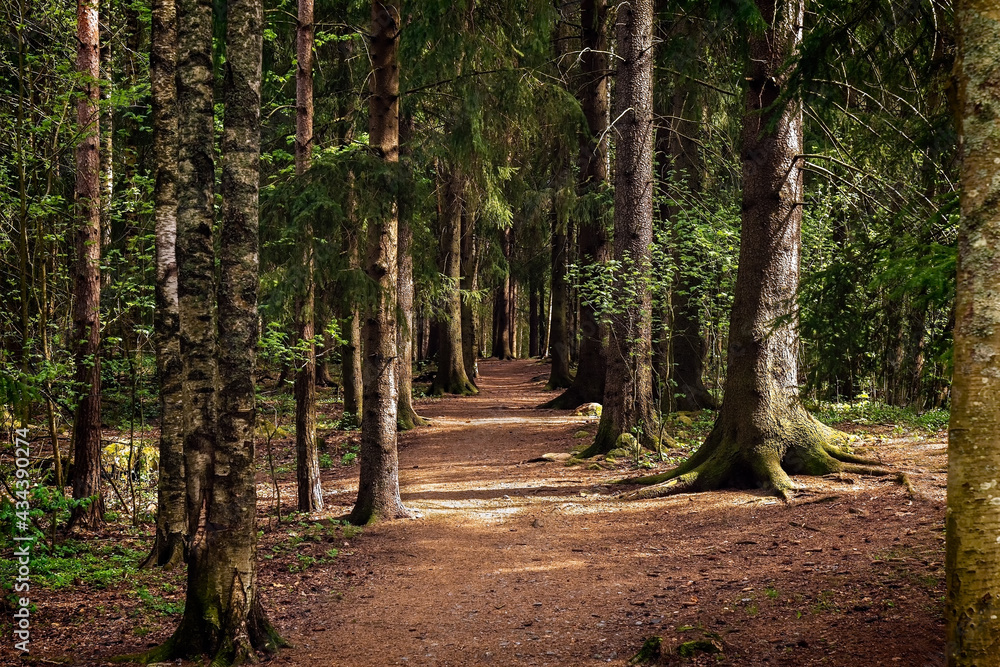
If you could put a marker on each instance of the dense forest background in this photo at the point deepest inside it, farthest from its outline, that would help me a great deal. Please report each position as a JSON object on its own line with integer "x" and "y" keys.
{"x": 216, "y": 218}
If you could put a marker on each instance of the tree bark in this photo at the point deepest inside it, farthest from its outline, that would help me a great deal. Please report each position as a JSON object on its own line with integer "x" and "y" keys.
{"x": 451, "y": 377}
{"x": 628, "y": 388}
{"x": 310, "y": 491}
{"x": 223, "y": 615}
{"x": 763, "y": 432}
{"x": 378, "y": 488}
{"x": 470, "y": 267}
{"x": 350, "y": 351}
{"x": 594, "y": 249}
{"x": 406, "y": 416}
{"x": 972, "y": 558}
{"x": 168, "y": 547}
{"x": 559, "y": 375}
{"x": 87, "y": 274}
{"x": 533, "y": 319}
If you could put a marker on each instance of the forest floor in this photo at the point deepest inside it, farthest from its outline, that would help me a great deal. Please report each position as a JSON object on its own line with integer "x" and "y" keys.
{"x": 513, "y": 561}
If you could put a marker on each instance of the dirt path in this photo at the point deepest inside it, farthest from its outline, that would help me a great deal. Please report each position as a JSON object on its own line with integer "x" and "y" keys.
{"x": 516, "y": 563}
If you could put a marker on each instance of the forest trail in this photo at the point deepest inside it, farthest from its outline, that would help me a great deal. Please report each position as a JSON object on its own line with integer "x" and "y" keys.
{"x": 511, "y": 562}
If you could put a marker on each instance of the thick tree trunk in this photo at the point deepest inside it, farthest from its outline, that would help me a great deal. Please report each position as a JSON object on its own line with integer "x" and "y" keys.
{"x": 451, "y": 377}
{"x": 223, "y": 616}
{"x": 588, "y": 384}
{"x": 470, "y": 266}
{"x": 168, "y": 547}
{"x": 406, "y": 416}
{"x": 763, "y": 432}
{"x": 378, "y": 488}
{"x": 310, "y": 491}
{"x": 972, "y": 560}
{"x": 628, "y": 389}
{"x": 87, "y": 274}
{"x": 685, "y": 389}
{"x": 559, "y": 376}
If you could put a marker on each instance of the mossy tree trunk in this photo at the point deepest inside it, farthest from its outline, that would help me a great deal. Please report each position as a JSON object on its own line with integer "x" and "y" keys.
{"x": 763, "y": 433}
{"x": 628, "y": 388}
{"x": 378, "y": 488}
{"x": 223, "y": 615}
{"x": 168, "y": 547}
{"x": 309, "y": 489}
{"x": 451, "y": 377}
{"x": 972, "y": 560}
{"x": 594, "y": 248}
{"x": 87, "y": 272}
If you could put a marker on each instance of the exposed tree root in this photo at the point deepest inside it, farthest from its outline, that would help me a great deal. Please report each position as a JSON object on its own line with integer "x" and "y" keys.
{"x": 167, "y": 552}
{"x": 408, "y": 419}
{"x": 571, "y": 399}
{"x": 228, "y": 648}
{"x": 461, "y": 388}
{"x": 800, "y": 446}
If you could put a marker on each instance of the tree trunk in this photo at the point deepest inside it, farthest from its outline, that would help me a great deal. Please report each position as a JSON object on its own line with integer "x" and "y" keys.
{"x": 87, "y": 274}
{"x": 972, "y": 559}
{"x": 451, "y": 377}
{"x": 512, "y": 316}
{"x": 406, "y": 417}
{"x": 470, "y": 266}
{"x": 533, "y": 319}
{"x": 350, "y": 351}
{"x": 559, "y": 376}
{"x": 684, "y": 388}
{"x": 223, "y": 615}
{"x": 628, "y": 389}
{"x": 763, "y": 432}
{"x": 168, "y": 547}
{"x": 310, "y": 491}
{"x": 588, "y": 384}
{"x": 107, "y": 133}
{"x": 378, "y": 488}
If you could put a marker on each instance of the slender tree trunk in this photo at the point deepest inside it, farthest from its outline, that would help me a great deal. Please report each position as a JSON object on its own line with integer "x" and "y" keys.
{"x": 628, "y": 389}
{"x": 501, "y": 320}
{"x": 107, "y": 133}
{"x": 310, "y": 491}
{"x": 512, "y": 316}
{"x": 685, "y": 389}
{"x": 378, "y": 488}
{"x": 972, "y": 560}
{"x": 87, "y": 279}
{"x": 559, "y": 376}
{"x": 763, "y": 432}
{"x": 168, "y": 548}
{"x": 451, "y": 377}
{"x": 588, "y": 384}
{"x": 407, "y": 416}
{"x": 350, "y": 351}
{"x": 533, "y": 319}
{"x": 470, "y": 266}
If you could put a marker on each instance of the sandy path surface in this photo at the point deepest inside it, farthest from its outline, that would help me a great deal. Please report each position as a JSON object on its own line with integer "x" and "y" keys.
{"x": 518, "y": 563}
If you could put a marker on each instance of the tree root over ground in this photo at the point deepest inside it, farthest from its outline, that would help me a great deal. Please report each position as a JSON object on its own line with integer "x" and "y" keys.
{"x": 763, "y": 458}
